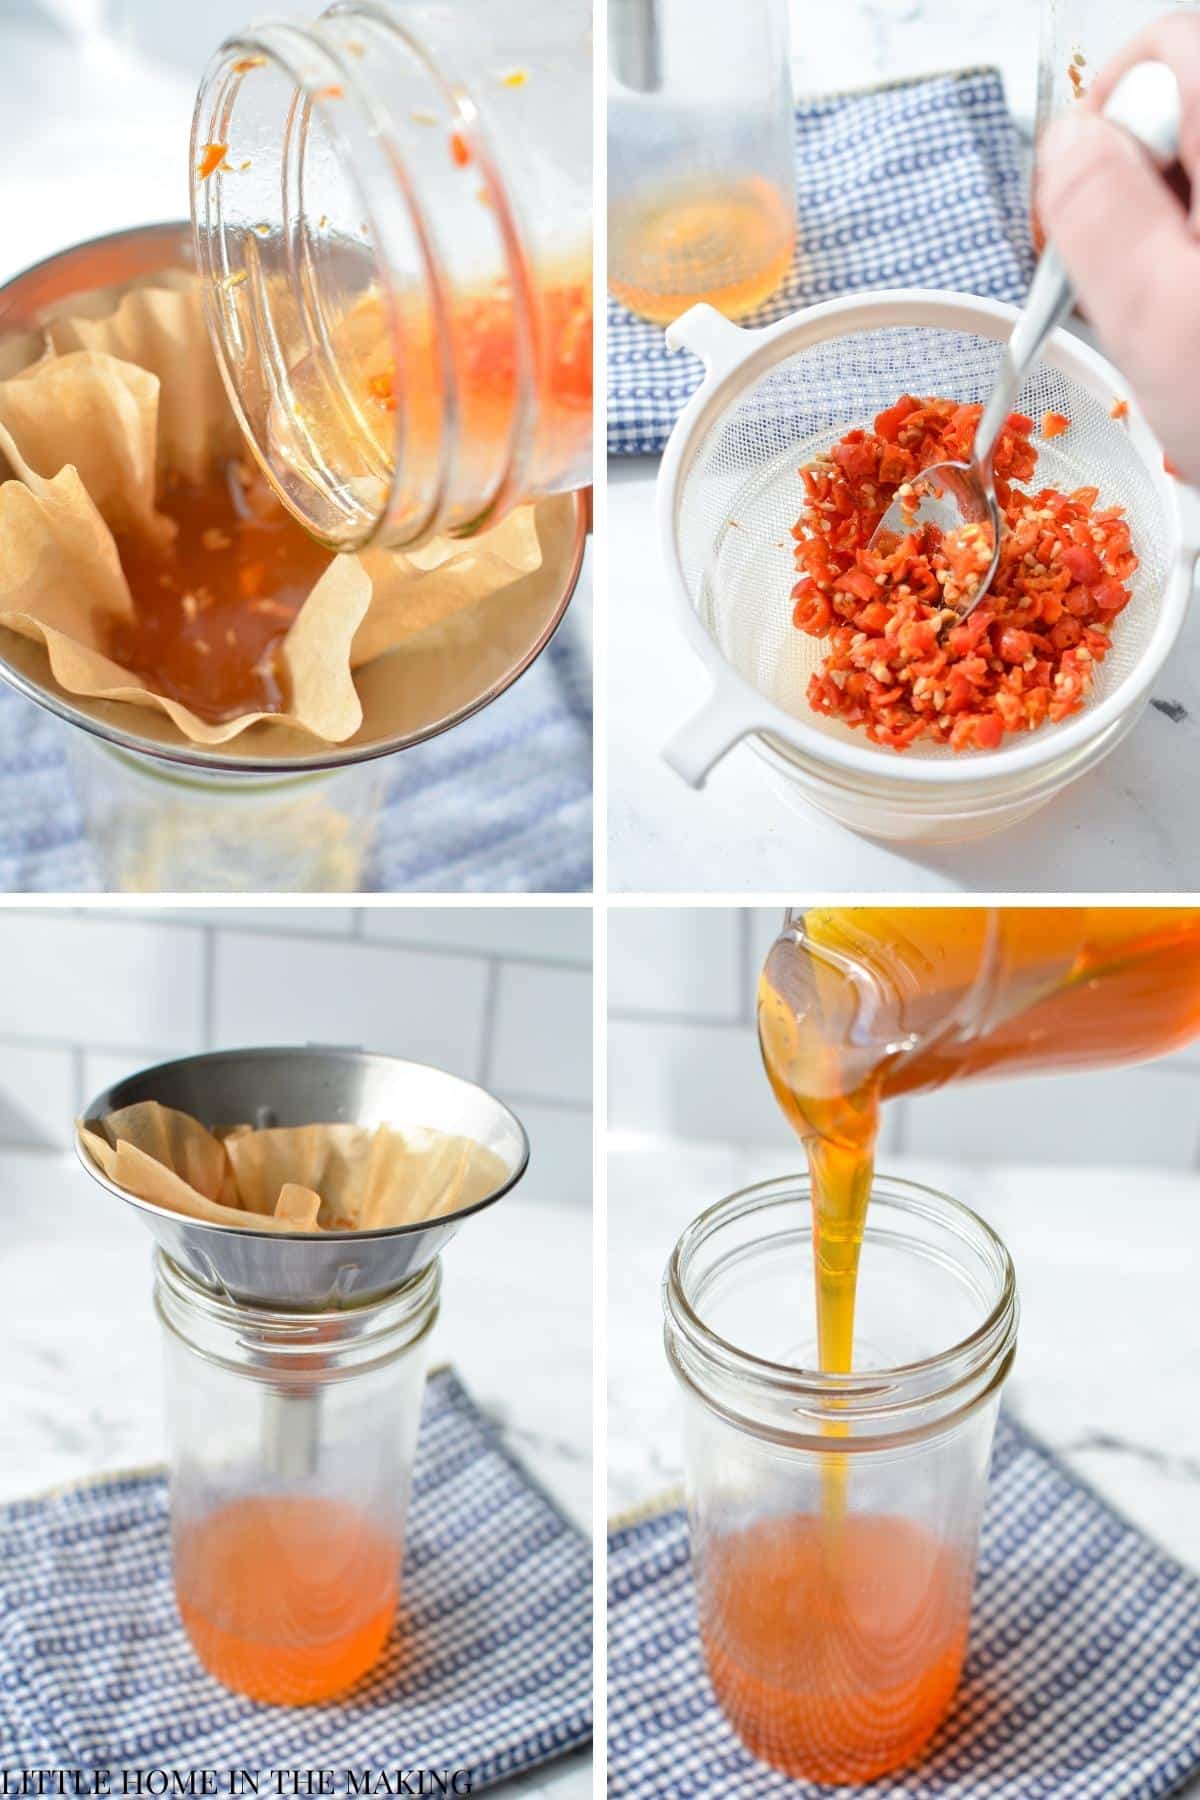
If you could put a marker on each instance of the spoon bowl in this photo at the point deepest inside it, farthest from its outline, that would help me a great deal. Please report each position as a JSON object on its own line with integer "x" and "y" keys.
{"x": 956, "y": 500}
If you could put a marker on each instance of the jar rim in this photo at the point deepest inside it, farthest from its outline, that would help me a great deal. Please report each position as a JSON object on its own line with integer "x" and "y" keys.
{"x": 895, "y": 1392}
{"x": 407, "y": 1301}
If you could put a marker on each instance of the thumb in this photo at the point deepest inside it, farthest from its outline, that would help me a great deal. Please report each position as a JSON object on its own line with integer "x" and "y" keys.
{"x": 1116, "y": 224}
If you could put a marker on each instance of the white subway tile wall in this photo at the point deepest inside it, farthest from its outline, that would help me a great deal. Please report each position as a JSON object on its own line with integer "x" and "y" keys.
{"x": 684, "y": 1062}
{"x": 500, "y": 995}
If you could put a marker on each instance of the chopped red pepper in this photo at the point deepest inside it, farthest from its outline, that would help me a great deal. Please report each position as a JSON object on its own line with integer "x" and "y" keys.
{"x": 383, "y": 387}
{"x": 1054, "y": 424}
{"x": 1119, "y": 409}
{"x": 460, "y": 150}
{"x": 211, "y": 158}
{"x": 897, "y": 663}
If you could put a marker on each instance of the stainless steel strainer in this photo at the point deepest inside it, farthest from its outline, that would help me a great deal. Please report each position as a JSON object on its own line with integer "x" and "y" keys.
{"x": 729, "y": 494}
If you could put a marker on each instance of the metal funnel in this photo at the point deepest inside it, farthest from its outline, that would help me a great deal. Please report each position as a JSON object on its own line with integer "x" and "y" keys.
{"x": 311, "y": 1271}
{"x": 412, "y": 693}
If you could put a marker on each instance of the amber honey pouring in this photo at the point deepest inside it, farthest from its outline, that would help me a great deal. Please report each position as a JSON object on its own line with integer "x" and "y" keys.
{"x": 835, "y": 1638}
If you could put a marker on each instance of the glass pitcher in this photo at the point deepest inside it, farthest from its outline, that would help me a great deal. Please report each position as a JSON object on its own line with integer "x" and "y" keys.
{"x": 859, "y": 1004}
{"x": 392, "y": 212}
{"x": 701, "y": 179}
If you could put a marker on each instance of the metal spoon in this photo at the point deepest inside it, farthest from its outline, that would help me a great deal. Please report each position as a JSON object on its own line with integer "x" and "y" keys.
{"x": 961, "y": 496}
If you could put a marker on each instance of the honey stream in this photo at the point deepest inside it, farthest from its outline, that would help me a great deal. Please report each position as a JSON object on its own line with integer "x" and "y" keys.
{"x": 835, "y": 1640}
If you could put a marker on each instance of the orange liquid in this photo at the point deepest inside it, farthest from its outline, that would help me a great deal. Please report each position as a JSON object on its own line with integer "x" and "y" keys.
{"x": 729, "y": 246}
{"x": 353, "y": 432}
{"x": 287, "y": 1600}
{"x": 834, "y": 1670}
{"x": 212, "y": 608}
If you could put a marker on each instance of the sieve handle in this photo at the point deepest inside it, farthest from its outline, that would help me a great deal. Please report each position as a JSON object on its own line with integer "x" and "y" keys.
{"x": 709, "y": 335}
{"x": 723, "y": 721}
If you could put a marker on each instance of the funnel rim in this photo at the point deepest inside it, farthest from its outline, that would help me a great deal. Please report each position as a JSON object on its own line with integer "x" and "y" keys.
{"x": 102, "y": 1104}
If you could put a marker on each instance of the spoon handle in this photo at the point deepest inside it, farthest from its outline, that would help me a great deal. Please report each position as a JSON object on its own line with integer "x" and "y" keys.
{"x": 1145, "y": 102}
{"x": 1047, "y": 305}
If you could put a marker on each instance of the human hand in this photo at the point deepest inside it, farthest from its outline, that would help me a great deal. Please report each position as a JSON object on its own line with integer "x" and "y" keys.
{"x": 1129, "y": 243}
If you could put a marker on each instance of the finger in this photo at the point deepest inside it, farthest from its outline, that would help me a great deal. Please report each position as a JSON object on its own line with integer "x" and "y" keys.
{"x": 1176, "y": 42}
{"x": 1125, "y": 241}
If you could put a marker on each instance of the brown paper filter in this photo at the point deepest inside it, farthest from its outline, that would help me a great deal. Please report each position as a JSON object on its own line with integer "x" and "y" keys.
{"x": 298, "y": 1178}
{"x": 94, "y": 413}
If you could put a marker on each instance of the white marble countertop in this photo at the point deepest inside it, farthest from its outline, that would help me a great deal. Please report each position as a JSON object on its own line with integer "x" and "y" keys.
{"x": 80, "y": 1386}
{"x": 1130, "y": 821}
{"x": 888, "y": 40}
{"x": 1109, "y": 1338}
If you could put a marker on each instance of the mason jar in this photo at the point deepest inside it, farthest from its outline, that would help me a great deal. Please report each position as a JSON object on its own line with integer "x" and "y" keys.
{"x": 834, "y": 1519}
{"x": 701, "y": 172}
{"x": 392, "y": 212}
{"x": 292, "y": 1438}
{"x": 161, "y": 828}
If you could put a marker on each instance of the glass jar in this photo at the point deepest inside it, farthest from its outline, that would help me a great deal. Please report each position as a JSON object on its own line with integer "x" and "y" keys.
{"x": 292, "y": 1438}
{"x": 159, "y": 828}
{"x": 835, "y": 1519}
{"x": 701, "y": 177}
{"x": 1077, "y": 38}
{"x": 392, "y": 215}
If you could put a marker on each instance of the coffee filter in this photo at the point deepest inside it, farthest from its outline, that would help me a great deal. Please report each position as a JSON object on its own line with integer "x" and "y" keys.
{"x": 316, "y": 1178}
{"x": 117, "y": 391}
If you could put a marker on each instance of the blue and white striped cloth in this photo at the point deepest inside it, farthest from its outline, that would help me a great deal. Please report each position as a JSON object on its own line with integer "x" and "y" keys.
{"x": 501, "y": 804}
{"x": 1082, "y": 1679}
{"x": 918, "y": 184}
{"x": 493, "y": 1676}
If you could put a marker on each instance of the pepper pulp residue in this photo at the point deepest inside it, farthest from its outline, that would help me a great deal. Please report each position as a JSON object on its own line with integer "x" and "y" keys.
{"x": 212, "y": 607}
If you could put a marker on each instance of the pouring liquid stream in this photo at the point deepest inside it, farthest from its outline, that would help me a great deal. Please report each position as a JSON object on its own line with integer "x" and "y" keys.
{"x": 835, "y": 1639}
{"x": 858, "y": 1006}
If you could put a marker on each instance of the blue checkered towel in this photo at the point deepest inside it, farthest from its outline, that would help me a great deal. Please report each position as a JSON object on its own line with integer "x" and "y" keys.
{"x": 918, "y": 184}
{"x": 495, "y": 1676}
{"x": 1082, "y": 1679}
{"x": 501, "y": 804}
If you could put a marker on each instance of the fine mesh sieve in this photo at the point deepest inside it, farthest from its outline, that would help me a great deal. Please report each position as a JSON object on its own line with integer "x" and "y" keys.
{"x": 730, "y": 494}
